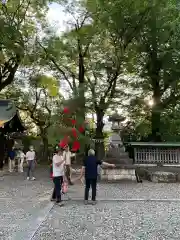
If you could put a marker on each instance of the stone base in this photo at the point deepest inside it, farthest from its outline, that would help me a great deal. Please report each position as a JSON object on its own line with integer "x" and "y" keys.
{"x": 119, "y": 174}
{"x": 164, "y": 177}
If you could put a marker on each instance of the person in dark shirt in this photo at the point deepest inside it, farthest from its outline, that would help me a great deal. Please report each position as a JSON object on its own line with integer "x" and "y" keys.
{"x": 90, "y": 172}
{"x": 11, "y": 158}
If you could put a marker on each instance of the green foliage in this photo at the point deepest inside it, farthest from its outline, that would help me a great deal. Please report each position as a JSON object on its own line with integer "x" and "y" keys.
{"x": 19, "y": 23}
{"x": 114, "y": 51}
{"x": 47, "y": 82}
{"x": 155, "y": 60}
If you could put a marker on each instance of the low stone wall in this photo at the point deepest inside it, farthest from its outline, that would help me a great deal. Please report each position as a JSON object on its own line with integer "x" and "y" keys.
{"x": 118, "y": 174}
{"x": 164, "y": 177}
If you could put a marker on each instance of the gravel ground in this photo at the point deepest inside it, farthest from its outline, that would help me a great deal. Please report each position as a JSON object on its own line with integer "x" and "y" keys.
{"x": 145, "y": 190}
{"x": 119, "y": 214}
{"x": 110, "y": 221}
{"x": 21, "y": 204}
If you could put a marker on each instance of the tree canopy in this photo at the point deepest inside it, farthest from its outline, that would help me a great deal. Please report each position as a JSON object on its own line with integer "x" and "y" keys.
{"x": 114, "y": 55}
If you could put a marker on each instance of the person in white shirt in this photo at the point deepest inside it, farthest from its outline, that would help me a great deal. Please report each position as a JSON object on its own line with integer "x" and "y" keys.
{"x": 67, "y": 155}
{"x": 20, "y": 157}
{"x": 31, "y": 160}
{"x": 58, "y": 174}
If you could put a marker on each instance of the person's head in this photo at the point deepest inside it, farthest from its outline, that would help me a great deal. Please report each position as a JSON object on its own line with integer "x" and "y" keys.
{"x": 66, "y": 148}
{"x": 31, "y": 148}
{"x": 60, "y": 151}
{"x": 91, "y": 152}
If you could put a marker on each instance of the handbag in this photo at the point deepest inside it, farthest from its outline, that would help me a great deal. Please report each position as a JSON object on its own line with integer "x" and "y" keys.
{"x": 64, "y": 187}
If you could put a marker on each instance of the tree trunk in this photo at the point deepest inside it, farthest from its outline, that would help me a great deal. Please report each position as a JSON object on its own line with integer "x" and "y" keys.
{"x": 156, "y": 122}
{"x": 156, "y": 112}
{"x": 45, "y": 149}
{"x": 81, "y": 85}
{"x": 99, "y": 146}
{"x": 154, "y": 68}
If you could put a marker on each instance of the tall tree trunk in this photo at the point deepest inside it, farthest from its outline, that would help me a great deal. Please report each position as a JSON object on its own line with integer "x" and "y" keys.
{"x": 156, "y": 122}
{"x": 44, "y": 153}
{"x": 99, "y": 146}
{"x": 156, "y": 109}
{"x": 81, "y": 85}
{"x": 45, "y": 149}
{"x": 154, "y": 67}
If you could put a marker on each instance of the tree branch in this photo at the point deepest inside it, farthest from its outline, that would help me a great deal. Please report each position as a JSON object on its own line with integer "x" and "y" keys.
{"x": 92, "y": 88}
{"x": 11, "y": 71}
{"x": 56, "y": 65}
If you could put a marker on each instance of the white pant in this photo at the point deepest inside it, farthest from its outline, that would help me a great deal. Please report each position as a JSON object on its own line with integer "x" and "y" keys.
{"x": 20, "y": 164}
{"x": 11, "y": 165}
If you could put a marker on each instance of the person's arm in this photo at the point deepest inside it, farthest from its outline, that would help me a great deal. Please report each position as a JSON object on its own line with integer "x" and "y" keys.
{"x": 58, "y": 163}
{"x": 72, "y": 155}
{"x": 82, "y": 170}
{"x": 105, "y": 164}
{"x": 26, "y": 156}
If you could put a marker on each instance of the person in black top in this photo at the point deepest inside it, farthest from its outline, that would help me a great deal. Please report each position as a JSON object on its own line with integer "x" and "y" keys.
{"x": 90, "y": 172}
{"x": 11, "y": 158}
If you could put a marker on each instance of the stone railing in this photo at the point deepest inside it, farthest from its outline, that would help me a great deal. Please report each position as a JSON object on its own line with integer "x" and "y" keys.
{"x": 156, "y": 153}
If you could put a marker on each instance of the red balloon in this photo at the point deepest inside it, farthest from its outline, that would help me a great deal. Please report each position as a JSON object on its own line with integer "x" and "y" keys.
{"x": 66, "y": 110}
{"x": 73, "y": 121}
{"x": 81, "y": 129}
{"x": 76, "y": 146}
{"x": 74, "y": 132}
{"x": 64, "y": 142}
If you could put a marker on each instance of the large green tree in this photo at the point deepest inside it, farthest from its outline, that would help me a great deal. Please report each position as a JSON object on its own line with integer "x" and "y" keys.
{"x": 90, "y": 57}
{"x": 118, "y": 24}
{"x": 20, "y": 22}
{"x": 157, "y": 60}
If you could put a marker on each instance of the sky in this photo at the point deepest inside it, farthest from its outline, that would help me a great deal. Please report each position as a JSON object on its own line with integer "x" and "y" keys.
{"x": 57, "y": 18}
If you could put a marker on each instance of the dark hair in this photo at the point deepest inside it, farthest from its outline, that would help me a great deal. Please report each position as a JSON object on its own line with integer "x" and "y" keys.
{"x": 58, "y": 149}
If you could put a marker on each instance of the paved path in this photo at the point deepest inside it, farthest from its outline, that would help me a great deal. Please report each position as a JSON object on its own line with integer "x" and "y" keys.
{"x": 144, "y": 211}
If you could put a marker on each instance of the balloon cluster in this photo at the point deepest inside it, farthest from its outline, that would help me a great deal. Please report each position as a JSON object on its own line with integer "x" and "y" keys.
{"x": 75, "y": 130}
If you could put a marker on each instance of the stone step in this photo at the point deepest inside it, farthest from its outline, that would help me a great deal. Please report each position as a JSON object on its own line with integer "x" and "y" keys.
{"x": 116, "y": 152}
{"x": 119, "y": 160}
{"x": 118, "y": 174}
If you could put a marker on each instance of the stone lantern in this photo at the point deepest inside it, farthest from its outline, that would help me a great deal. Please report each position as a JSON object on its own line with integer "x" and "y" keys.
{"x": 116, "y": 120}
{"x": 115, "y": 139}
{"x": 116, "y": 154}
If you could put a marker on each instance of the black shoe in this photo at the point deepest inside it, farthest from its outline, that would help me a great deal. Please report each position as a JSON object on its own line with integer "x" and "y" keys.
{"x": 71, "y": 183}
{"x": 93, "y": 202}
{"x": 53, "y": 199}
{"x": 60, "y": 204}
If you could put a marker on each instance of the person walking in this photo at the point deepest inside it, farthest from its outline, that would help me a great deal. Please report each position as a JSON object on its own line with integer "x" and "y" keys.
{"x": 90, "y": 171}
{"x": 20, "y": 157}
{"x": 31, "y": 161}
{"x": 58, "y": 173}
{"x": 11, "y": 159}
{"x": 67, "y": 155}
